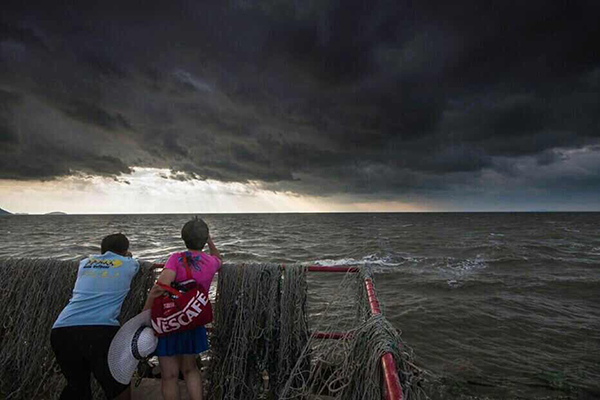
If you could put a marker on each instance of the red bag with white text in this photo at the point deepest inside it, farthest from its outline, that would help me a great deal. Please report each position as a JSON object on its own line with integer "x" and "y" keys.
{"x": 183, "y": 309}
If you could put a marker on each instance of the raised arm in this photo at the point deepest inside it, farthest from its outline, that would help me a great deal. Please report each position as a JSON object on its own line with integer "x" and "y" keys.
{"x": 213, "y": 249}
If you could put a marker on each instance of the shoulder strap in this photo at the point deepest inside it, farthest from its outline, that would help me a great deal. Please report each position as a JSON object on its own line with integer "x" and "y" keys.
{"x": 169, "y": 289}
{"x": 188, "y": 270}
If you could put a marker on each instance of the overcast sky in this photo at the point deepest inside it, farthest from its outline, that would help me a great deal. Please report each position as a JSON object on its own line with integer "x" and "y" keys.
{"x": 315, "y": 105}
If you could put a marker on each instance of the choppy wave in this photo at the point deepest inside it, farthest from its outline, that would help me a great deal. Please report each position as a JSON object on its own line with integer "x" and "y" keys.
{"x": 370, "y": 259}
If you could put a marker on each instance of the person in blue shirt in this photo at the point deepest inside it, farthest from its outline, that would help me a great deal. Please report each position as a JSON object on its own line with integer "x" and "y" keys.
{"x": 83, "y": 331}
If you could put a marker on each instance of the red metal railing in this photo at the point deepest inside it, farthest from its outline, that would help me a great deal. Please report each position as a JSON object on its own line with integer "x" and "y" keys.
{"x": 311, "y": 268}
{"x": 331, "y": 335}
{"x": 393, "y": 390}
{"x": 321, "y": 268}
{"x": 390, "y": 372}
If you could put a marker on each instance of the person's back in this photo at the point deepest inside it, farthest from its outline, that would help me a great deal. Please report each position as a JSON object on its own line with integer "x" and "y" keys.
{"x": 203, "y": 266}
{"x": 82, "y": 333}
{"x": 177, "y": 351}
{"x": 102, "y": 284}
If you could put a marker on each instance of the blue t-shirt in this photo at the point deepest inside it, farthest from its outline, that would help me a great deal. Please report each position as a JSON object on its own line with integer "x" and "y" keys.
{"x": 102, "y": 284}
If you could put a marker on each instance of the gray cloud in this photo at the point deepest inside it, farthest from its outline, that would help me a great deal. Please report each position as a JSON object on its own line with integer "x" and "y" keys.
{"x": 93, "y": 114}
{"x": 354, "y": 97}
{"x": 8, "y": 135}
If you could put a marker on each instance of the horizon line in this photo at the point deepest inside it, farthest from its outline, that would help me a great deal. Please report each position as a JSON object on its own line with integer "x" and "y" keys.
{"x": 55, "y": 213}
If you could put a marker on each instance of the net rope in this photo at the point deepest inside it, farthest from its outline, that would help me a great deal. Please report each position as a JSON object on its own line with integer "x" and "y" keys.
{"x": 261, "y": 343}
{"x": 263, "y": 349}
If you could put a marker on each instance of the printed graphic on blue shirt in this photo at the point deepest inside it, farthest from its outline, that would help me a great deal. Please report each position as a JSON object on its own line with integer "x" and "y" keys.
{"x": 100, "y": 267}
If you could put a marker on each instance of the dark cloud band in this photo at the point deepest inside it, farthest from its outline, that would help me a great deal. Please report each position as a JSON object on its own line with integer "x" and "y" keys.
{"x": 372, "y": 97}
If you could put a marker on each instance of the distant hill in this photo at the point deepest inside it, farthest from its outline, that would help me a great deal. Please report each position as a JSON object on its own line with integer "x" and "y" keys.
{"x": 56, "y": 213}
{"x": 4, "y": 212}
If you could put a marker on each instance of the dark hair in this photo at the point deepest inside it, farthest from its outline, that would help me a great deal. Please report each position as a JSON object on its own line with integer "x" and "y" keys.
{"x": 117, "y": 243}
{"x": 195, "y": 234}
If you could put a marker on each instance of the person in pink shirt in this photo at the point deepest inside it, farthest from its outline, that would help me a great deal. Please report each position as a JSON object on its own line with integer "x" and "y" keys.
{"x": 177, "y": 351}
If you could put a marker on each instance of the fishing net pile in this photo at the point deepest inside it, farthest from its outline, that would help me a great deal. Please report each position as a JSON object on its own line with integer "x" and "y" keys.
{"x": 262, "y": 342}
{"x": 263, "y": 346}
{"x": 34, "y": 292}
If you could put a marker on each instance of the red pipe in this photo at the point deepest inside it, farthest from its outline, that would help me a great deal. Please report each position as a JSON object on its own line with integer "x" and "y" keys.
{"x": 373, "y": 302}
{"x": 311, "y": 268}
{"x": 390, "y": 373}
{"x": 322, "y": 268}
{"x": 331, "y": 335}
{"x": 316, "y": 335}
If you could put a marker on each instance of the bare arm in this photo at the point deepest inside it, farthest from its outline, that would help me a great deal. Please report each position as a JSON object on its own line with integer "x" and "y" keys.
{"x": 166, "y": 277}
{"x": 213, "y": 249}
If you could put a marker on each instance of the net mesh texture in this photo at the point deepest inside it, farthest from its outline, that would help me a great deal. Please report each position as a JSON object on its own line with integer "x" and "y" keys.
{"x": 262, "y": 345}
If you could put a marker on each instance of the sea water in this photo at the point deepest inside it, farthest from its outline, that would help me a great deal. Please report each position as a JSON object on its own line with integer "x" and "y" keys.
{"x": 494, "y": 305}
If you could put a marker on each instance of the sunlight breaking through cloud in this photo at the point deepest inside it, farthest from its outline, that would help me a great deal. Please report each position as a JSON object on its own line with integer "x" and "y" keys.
{"x": 148, "y": 190}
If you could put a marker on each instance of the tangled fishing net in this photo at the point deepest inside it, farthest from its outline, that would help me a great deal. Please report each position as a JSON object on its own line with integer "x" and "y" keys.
{"x": 263, "y": 345}
{"x": 33, "y": 293}
{"x": 262, "y": 342}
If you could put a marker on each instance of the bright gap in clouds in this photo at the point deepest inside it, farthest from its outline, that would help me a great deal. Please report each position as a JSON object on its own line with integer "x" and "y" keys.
{"x": 148, "y": 191}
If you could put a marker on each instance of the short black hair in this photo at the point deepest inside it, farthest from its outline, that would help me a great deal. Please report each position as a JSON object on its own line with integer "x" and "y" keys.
{"x": 195, "y": 234}
{"x": 117, "y": 243}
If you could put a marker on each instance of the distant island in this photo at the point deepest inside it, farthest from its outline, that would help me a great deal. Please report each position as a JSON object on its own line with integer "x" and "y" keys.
{"x": 4, "y": 212}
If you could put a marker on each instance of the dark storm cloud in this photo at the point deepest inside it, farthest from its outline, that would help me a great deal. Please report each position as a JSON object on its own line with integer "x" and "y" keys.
{"x": 49, "y": 161}
{"x": 22, "y": 34}
{"x": 8, "y": 134}
{"x": 320, "y": 97}
{"x": 92, "y": 114}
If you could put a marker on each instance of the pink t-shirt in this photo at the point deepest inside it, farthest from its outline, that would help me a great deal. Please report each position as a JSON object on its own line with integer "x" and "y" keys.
{"x": 203, "y": 266}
